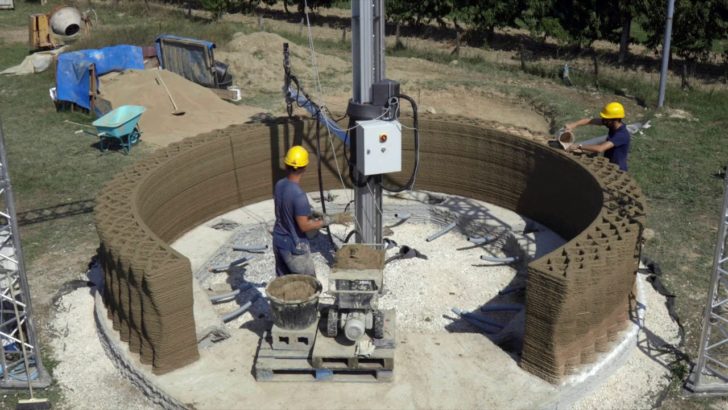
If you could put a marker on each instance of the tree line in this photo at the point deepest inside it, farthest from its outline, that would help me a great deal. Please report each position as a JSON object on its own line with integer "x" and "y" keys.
{"x": 697, "y": 24}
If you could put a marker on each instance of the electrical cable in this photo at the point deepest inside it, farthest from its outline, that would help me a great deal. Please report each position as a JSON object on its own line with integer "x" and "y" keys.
{"x": 415, "y": 121}
{"x": 321, "y": 180}
{"x": 354, "y": 231}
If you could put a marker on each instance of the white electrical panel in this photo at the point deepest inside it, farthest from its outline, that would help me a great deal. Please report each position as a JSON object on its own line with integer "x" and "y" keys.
{"x": 378, "y": 147}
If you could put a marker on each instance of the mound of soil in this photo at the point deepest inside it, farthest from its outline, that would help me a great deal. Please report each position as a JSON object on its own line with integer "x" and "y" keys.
{"x": 256, "y": 61}
{"x": 204, "y": 110}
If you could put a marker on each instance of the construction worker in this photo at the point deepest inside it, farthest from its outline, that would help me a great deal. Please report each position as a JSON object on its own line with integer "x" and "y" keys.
{"x": 616, "y": 147}
{"x": 293, "y": 218}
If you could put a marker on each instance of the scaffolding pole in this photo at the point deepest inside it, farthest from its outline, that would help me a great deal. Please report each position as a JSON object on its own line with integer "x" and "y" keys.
{"x": 17, "y": 332}
{"x": 710, "y": 374}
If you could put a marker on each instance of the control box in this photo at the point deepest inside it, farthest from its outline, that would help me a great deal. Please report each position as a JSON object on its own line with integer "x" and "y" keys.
{"x": 378, "y": 147}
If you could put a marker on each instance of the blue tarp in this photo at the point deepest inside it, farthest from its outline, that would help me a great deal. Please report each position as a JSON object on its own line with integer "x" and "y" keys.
{"x": 72, "y": 72}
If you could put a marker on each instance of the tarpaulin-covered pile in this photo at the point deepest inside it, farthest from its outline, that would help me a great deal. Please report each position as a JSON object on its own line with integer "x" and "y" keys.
{"x": 192, "y": 59}
{"x": 72, "y": 72}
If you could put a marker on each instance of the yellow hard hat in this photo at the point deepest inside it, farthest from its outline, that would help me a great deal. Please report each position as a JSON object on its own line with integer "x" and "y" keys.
{"x": 612, "y": 111}
{"x": 296, "y": 157}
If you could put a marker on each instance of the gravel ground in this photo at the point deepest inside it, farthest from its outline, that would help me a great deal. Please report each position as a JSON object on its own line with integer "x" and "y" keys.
{"x": 646, "y": 373}
{"x": 422, "y": 291}
{"x": 88, "y": 379}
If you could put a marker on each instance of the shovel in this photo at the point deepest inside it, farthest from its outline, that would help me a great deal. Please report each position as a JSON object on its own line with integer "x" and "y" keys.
{"x": 176, "y": 111}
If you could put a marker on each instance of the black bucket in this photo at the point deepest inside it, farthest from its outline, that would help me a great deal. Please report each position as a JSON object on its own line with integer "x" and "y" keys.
{"x": 294, "y": 300}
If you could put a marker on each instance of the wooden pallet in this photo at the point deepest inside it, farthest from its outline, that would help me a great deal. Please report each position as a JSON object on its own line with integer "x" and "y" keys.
{"x": 295, "y": 366}
{"x": 330, "y": 361}
{"x": 340, "y": 353}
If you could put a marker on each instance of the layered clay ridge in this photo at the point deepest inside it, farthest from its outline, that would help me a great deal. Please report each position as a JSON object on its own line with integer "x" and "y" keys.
{"x": 577, "y": 296}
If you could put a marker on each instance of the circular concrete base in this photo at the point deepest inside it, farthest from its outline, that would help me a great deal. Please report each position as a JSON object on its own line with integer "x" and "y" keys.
{"x": 432, "y": 369}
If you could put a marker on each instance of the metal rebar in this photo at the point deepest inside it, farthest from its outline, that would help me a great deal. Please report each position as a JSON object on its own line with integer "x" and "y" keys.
{"x": 224, "y": 268}
{"x": 444, "y": 230}
{"x": 253, "y": 249}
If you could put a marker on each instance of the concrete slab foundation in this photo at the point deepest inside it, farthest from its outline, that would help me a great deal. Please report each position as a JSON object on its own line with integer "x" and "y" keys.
{"x": 449, "y": 371}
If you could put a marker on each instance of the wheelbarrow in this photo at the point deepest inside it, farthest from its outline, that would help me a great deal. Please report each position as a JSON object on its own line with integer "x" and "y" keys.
{"x": 120, "y": 124}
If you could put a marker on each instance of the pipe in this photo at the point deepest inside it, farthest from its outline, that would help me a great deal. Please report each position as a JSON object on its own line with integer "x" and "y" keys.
{"x": 253, "y": 249}
{"x": 485, "y": 321}
{"x": 403, "y": 216}
{"x": 217, "y": 269}
{"x": 480, "y": 240}
{"x": 479, "y": 325}
{"x": 502, "y": 308}
{"x": 666, "y": 52}
{"x": 444, "y": 230}
{"x": 237, "y": 312}
{"x": 494, "y": 259}
{"x": 225, "y": 297}
{"x": 510, "y": 290}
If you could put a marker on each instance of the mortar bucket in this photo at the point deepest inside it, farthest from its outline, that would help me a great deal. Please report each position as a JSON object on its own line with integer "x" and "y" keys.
{"x": 294, "y": 300}
{"x": 566, "y": 139}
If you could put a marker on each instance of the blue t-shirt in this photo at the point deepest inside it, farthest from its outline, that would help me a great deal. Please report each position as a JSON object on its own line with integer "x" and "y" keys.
{"x": 290, "y": 202}
{"x": 618, "y": 154}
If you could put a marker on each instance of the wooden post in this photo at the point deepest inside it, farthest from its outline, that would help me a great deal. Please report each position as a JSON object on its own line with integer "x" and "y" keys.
{"x": 92, "y": 88}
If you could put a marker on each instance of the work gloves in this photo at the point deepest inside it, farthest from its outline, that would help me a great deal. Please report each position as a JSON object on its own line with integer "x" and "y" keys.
{"x": 341, "y": 218}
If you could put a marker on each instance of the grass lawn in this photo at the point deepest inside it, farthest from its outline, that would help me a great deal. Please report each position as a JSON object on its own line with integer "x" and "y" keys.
{"x": 673, "y": 161}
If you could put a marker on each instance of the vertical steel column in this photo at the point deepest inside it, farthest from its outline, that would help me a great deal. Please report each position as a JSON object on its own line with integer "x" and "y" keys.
{"x": 710, "y": 374}
{"x": 665, "y": 53}
{"x": 367, "y": 40}
{"x": 15, "y": 309}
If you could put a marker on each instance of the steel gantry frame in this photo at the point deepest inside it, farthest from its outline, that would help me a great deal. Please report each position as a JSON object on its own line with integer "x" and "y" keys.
{"x": 20, "y": 361}
{"x": 710, "y": 374}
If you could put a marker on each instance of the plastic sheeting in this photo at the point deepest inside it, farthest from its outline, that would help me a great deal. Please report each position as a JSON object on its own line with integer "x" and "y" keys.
{"x": 34, "y": 63}
{"x": 191, "y": 58}
{"x": 72, "y": 72}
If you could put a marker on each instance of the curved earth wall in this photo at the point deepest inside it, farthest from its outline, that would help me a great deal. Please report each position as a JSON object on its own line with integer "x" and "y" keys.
{"x": 577, "y": 296}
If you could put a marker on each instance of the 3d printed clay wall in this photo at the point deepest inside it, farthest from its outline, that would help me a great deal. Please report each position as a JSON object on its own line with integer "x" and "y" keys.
{"x": 577, "y": 296}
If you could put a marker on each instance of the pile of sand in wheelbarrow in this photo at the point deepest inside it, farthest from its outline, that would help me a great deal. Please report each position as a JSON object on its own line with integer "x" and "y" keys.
{"x": 203, "y": 110}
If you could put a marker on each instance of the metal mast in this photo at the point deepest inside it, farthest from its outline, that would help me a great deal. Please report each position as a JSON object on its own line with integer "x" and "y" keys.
{"x": 367, "y": 27}
{"x": 20, "y": 362}
{"x": 665, "y": 52}
{"x": 710, "y": 374}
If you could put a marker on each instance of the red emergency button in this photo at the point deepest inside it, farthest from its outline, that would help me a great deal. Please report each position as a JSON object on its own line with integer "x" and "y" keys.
{"x": 383, "y": 138}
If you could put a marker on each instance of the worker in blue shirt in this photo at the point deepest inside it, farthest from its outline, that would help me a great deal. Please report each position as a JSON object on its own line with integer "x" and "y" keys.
{"x": 616, "y": 147}
{"x": 294, "y": 218}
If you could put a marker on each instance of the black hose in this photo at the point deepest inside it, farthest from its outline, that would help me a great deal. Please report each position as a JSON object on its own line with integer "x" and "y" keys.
{"x": 346, "y": 240}
{"x": 320, "y": 177}
{"x": 410, "y": 183}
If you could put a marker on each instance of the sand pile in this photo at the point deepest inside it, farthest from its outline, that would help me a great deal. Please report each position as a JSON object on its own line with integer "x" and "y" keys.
{"x": 256, "y": 62}
{"x": 204, "y": 110}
